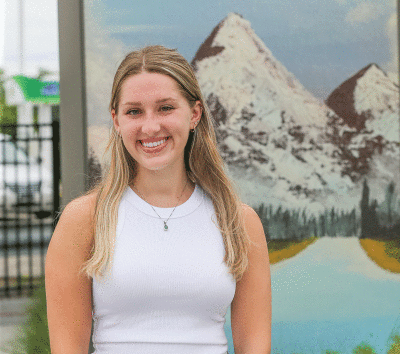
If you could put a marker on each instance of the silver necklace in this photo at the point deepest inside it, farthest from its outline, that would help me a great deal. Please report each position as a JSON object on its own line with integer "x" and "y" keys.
{"x": 165, "y": 222}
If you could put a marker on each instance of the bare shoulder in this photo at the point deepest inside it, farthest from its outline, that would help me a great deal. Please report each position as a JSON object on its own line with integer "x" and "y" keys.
{"x": 75, "y": 226}
{"x": 81, "y": 207}
{"x": 253, "y": 224}
{"x": 249, "y": 212}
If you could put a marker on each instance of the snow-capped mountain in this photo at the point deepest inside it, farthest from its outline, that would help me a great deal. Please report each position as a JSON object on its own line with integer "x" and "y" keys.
{"x": 369, "y": 101}
{"x": 367, "y": 132}
{"x": 271, "y": 130}
{"x": 237, "y": 68}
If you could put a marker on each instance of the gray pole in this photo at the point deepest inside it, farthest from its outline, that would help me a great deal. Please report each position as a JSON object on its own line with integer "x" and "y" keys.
{"x": 72, "y": 100}
{"x": 21, "y": 37}
{"x": 72, "y": 103}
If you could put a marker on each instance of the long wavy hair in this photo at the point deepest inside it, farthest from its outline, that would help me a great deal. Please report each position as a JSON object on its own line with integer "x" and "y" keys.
{"x": 203, "y": 163}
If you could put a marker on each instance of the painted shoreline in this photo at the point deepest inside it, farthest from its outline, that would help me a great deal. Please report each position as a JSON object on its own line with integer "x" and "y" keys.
{"x": 376, "y": 251}
{"x": 276, "y": 256}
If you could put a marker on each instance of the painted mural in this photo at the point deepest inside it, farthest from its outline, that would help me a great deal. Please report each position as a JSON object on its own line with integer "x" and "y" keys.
{"x": 305, "y": 99}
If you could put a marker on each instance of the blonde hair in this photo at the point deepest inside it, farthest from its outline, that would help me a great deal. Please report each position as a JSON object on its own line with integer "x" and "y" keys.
{"x": 203, "y": 163}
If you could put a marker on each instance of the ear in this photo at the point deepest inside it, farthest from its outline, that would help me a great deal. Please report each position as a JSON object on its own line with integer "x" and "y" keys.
{"x": 197, "y": 111}
{"x": 115, "y": 120}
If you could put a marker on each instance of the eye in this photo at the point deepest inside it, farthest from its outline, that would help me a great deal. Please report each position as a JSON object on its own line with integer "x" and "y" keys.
{"x": 166, "y": 108}
{"x": 133, "y": 112}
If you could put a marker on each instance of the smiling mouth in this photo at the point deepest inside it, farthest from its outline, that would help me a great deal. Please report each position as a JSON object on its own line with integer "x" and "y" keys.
{"x": 154, "y": 144}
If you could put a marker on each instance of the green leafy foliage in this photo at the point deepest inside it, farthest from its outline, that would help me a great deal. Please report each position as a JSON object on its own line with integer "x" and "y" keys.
{"x": 8, "y": 114}
{"x": 395, "y": 347}
{"x": 34, "y": 334}
{"x": 364, "y": 348}
{"x": 392, "y": 248}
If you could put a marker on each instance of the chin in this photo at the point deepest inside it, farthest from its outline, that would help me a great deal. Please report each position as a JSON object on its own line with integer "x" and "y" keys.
{"x": 155, "y": 167}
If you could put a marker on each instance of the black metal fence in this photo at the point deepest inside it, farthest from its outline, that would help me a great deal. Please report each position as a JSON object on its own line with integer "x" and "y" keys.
{"x": 29, "y": 203}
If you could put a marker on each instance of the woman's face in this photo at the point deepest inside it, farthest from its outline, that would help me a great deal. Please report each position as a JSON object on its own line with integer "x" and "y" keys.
{"x": 154, "y": 120}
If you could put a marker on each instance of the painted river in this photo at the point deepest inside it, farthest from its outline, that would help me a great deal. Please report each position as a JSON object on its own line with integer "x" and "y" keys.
{"x": 331, "y": 296}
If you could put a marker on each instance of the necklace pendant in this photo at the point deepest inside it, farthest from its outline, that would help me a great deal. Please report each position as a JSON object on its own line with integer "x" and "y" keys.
{"x": 165, "y": 226}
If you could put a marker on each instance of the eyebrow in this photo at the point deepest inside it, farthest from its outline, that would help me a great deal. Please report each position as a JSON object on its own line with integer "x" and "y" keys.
{"x": 158, "y": 101}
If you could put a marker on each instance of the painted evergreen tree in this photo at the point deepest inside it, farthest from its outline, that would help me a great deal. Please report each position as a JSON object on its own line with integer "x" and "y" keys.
{"x": 322, "y": 225}
{"x": 389, "y": 200}
{"x": 365, "y": 211}
{"x": 373, "y": 222}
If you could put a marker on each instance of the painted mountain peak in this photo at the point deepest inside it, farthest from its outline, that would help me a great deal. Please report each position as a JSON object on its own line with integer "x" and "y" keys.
{"x": 244, "y": 74}
{"x": 208, "y": 49}
{"x": 270, "y": 128}
{"x": 367, "y": 132}
{"x": 368, "y": 101}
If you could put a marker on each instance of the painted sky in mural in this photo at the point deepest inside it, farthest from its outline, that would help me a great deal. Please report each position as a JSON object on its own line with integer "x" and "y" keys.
{"x": 321, "y": 42}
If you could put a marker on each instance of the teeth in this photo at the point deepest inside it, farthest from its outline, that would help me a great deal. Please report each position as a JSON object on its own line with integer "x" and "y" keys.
{"x": 154, "y": 144}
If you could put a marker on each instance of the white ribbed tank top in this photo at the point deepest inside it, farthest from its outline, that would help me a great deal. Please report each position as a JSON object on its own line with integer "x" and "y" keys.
{"x": 168, "y": 291}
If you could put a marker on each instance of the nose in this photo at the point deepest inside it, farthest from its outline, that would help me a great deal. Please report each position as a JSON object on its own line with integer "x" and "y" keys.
{"x": 150, "y": 124}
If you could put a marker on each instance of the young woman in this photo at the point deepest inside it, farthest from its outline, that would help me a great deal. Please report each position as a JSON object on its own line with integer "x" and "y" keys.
{"x": 163, "y": 245}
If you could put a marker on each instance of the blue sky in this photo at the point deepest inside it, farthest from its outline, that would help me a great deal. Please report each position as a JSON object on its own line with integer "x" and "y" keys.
{"x": 322, "y": 42}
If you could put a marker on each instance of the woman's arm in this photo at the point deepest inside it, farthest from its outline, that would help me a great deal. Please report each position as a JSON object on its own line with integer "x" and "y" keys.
{"x": 68, "y": 293}
{"x": 251, "y": 307}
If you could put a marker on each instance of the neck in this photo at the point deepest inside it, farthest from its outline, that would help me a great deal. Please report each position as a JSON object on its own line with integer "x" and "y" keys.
{"x": 163, "y": 189}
